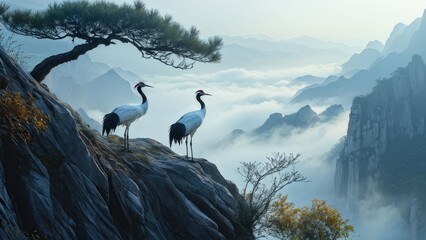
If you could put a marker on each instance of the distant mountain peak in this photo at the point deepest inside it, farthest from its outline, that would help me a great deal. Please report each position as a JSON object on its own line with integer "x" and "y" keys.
{"x": 416, "y": 59}
{"x": 108, "y": 77}
{"x": 376, "y": 45}
{"x": 111, "y": 72}
{"x": 107, "y": 90}
{"x": 305, "y": 109}
{"x": 302, "y": 118}
{"x": 331, "y": 112}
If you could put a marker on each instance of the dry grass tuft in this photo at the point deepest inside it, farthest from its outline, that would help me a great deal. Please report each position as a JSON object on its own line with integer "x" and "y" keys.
{"x": 143, "y": 157}
{"x": 115, "y": 139}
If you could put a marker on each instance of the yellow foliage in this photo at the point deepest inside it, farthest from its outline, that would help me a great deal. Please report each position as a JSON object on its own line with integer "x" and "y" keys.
{"x": 17, "y": 115}
{"x": 319, "y": 221}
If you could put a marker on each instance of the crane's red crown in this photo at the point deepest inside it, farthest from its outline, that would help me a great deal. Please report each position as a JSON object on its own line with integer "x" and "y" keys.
{"x": 199, "y": 91}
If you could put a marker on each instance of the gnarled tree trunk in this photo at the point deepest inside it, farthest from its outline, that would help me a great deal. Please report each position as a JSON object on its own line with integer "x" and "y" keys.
{"x": 41, "y": 70}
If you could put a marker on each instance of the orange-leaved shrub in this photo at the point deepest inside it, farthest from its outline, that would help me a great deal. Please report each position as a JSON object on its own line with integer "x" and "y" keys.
{"x": 320, "y": 221}
{"x": 18, "y": 116}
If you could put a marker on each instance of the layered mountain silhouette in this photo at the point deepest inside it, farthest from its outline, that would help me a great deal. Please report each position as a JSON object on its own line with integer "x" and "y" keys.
{"x": 403, "y": 42}
{"x": 96, "y": 86}
{"x": 285, "y": 125}
{"x": 360, "y": 61}
{"x": 108, "y": 90}
{"x": 307, "y": 79}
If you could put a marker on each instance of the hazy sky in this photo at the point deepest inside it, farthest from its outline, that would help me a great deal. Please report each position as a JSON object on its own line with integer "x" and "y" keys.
{"x": 353, "y": 22}
{"x": 350, "y": 21}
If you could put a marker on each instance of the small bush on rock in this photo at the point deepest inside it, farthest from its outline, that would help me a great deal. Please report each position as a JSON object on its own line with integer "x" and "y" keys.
{"x": 18, "y": 116}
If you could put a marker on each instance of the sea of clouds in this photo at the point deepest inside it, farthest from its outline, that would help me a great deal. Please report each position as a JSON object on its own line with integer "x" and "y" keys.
{"x": 243, "y": 99}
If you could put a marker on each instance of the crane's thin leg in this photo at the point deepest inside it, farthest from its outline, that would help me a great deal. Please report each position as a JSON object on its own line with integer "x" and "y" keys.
{"x": 128, "y": 147}
{"x": 192, "y": 153}
{"x": 186, "y": 143}
{"x": 124, "y": 138}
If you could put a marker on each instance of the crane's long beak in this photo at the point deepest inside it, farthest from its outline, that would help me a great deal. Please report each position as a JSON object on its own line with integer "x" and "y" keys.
{"x": 146, "y": 85}
{"x": 208, "y": 94}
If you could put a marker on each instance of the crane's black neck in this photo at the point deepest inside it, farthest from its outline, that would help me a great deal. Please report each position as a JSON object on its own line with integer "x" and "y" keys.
{"x": 200, "y": 101}
{"x": 142, "y": 94}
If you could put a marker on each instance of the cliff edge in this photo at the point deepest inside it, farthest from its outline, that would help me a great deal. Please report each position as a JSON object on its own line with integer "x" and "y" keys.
{"x": 68, "y": 182}
{"x": 384, "y": 151}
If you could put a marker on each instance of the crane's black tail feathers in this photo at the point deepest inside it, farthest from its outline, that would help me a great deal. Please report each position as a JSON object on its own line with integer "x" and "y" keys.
{"x": 111, "y": 121}
{"x": 177, "y": 133}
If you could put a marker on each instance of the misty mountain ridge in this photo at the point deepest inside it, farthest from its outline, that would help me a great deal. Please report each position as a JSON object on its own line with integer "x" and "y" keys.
{"x": 238, "y": 52}
{"x": 96, "y": 86}
{"x": 82, "y": 71}
{"x": 307, "y": 79}
{"x": 400, "y": 37}
{"x": 102, "y": 92}
{"x": 345, "y": 89}
{"x": 286, "y": 125}
{"x": 376, "y": 45}
{"x": 360, "y": 61}
{"x": 251, "y": 56}
{"x": 314, "y": 50}
{"x": 297, "y": 42}
{"x": 303, "y": 118}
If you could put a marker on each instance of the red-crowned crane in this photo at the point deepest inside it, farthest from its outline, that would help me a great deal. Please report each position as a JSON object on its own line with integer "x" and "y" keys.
{"x": 188, "y": 124}
{"x": 126, "y": 115}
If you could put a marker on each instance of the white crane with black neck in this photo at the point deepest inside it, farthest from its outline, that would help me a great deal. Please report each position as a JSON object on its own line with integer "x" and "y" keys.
{"x": 188, "y": 124}
{"x": 126, "y": 115}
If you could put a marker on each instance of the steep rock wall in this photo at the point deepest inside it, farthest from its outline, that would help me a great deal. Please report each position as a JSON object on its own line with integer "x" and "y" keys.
{"x": 385, "y": 148}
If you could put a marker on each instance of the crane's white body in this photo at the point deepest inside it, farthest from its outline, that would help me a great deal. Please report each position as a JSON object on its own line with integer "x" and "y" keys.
{"x": 192, "y": 121}
{"x": 126, "y": 115}
{"x": 129, "y": 113}
{"x": 188, "y": 124}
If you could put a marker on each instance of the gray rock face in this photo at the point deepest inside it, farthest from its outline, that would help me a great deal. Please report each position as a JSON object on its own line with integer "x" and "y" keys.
{"x": 384, "y": 149}
{"x": 71, "y": 183}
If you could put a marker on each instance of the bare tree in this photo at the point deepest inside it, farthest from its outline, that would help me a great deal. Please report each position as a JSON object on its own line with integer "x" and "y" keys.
{"x": 262, "y": 182}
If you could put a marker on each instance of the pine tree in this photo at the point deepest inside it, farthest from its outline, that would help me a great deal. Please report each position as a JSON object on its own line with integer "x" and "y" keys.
{"x": 104, "y": 23}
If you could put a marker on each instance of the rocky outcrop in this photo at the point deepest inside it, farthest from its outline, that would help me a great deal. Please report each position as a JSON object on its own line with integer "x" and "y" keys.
{"x": 71, "y": 183}
{"x": 384, "y": 149}
{"x": 302, "y": 119}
